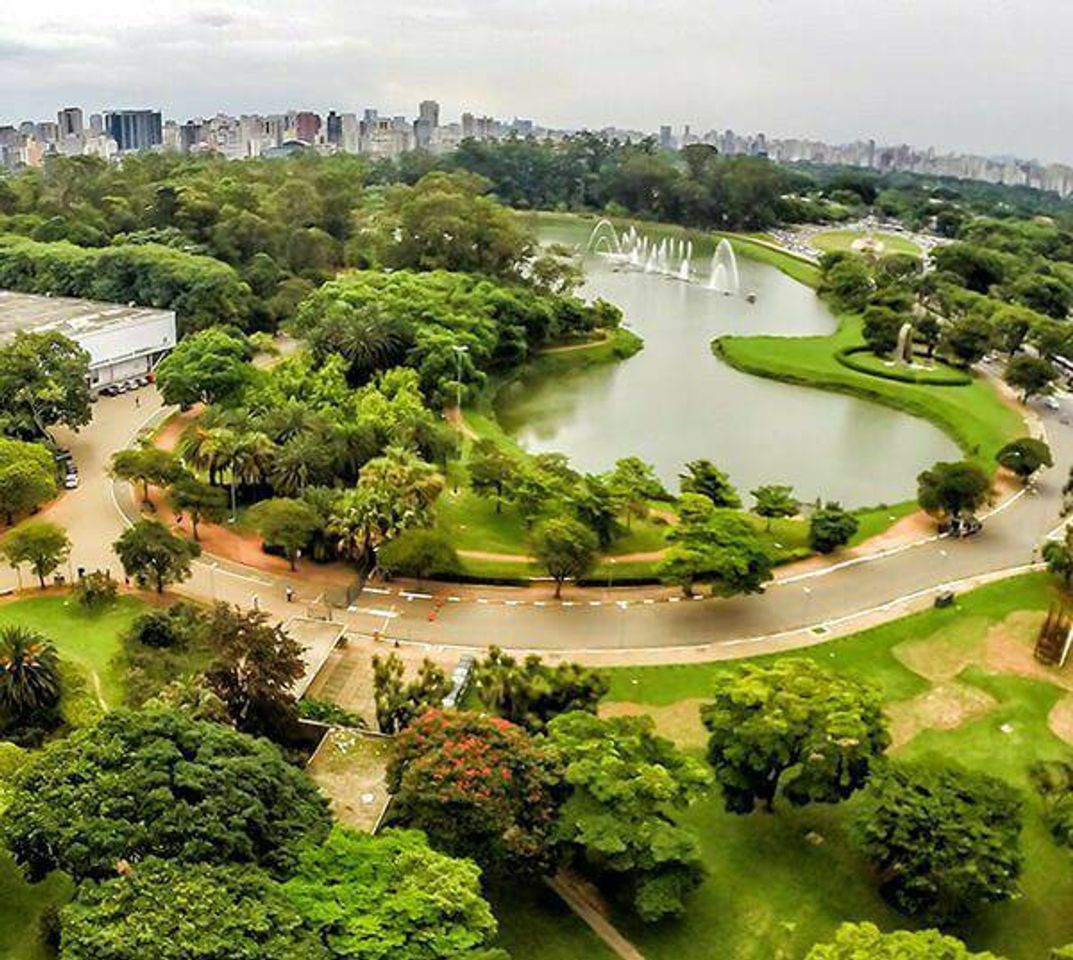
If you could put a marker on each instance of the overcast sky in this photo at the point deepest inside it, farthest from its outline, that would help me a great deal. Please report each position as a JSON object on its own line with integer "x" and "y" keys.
{"x": 991, "y": 76}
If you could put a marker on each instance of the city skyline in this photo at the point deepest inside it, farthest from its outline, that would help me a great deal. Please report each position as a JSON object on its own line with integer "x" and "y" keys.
{"x": 110, "y": 134}
{"x": 962, "y": 77}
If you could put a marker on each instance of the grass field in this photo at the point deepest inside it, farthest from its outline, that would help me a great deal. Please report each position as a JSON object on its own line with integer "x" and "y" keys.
{"x": 771, "y": 893}
{"x": 89, "y": 641}
{"x": 974, "y": 416}
{"x": 831, "y": 240}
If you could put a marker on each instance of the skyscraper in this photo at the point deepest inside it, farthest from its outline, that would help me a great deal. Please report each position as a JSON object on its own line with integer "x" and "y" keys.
{"x": 307, "y": 125}
{"x": 334, "y": 125}
{"x": 135, "y": 129}
{"x": 428, "y": 120}
{"x": 70, "y": 122}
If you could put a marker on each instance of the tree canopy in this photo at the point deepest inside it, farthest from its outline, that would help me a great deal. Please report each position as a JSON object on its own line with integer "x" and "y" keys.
{"x": 391, "y": 896}
{"x": 865, "y": 941}
{"x": 479, "y": 787}
{"x": 626, "y": 784}
{"x": 792, "y": 729}
{"x": 156, "y": 783}
{"x": 945, "y": 841}
{"x": 181, "y": 911}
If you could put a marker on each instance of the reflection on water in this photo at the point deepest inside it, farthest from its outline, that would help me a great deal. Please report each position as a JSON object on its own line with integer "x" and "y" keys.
{"x": 674, "y": 401}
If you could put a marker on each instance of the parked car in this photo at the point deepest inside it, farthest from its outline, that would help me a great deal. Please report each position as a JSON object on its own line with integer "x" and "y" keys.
{"x": 1051, "y": 403}
{"x": 70, "y": 482}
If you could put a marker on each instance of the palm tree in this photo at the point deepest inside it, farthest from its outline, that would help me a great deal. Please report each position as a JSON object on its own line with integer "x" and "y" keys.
{"x": 302, "y": 462}
{"x": 415, "y": 483}
{"x": 290, "y": 420}
{"x": 253, "y": 455}
{"x": 29, "y": 674}
{"x": 210, "y": 449}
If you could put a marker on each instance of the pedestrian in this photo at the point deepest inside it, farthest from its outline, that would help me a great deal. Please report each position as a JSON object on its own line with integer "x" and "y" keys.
{"x": 290, "y": 595}
{"x": 137, "y": 402}
{"x": 256, "y": 602}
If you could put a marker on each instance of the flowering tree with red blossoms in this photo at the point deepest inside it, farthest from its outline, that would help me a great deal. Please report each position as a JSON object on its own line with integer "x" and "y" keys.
{"x": 479, "y": 787}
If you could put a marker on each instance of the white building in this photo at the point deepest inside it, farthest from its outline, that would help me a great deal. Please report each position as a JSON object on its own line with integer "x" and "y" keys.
{"x": 122, "y": 341}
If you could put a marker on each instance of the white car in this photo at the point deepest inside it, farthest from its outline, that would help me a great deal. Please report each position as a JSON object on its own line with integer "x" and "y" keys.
{"x": 70, "y": 482}
{"x": 1051, "y": 403}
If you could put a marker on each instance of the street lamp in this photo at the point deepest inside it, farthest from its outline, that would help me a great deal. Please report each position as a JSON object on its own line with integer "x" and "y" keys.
{"x": 459, "y": 350}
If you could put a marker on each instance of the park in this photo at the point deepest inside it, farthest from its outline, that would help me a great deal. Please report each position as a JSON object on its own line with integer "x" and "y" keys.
{"x": 449, "y": 534}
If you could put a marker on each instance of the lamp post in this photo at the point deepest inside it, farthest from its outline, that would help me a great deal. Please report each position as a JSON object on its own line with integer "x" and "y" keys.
{"x": 459, "y": 350}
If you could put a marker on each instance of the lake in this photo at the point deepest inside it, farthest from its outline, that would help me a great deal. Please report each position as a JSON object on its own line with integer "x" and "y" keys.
{"x": 675, "y": 401}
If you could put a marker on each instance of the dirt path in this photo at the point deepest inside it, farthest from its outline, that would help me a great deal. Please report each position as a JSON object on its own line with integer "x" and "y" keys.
{"x": 585, "y": 902}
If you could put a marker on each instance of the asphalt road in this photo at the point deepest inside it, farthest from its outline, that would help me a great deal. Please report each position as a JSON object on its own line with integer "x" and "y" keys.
{"x": 93, "y": 517}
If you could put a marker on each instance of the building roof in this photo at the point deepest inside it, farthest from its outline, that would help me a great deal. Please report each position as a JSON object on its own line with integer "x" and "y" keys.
{"x": 72, "y": 317}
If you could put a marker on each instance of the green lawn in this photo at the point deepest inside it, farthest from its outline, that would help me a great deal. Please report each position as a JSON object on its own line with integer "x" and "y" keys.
{"x": 831, "y": 240}
{"x": 771, "y": 893}
{"x": 89, "y": 640}
{"x": 974, "y": 416}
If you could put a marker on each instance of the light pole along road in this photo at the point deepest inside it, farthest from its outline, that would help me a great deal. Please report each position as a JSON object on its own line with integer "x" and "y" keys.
{"x": 607, "y": 624}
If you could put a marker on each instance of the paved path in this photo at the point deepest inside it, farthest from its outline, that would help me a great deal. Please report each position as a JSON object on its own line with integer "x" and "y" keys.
{"x": 605, "y": 624}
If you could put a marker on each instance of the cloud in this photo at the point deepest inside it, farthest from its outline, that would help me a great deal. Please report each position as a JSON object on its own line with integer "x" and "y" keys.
{"x": 985, "y": 75}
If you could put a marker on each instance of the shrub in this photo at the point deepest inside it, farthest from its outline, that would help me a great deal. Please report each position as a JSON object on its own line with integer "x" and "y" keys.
{"x": 96, "y": 590}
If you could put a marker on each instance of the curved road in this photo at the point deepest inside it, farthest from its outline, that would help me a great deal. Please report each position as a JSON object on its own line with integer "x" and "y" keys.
{"x": 798, "y": 610}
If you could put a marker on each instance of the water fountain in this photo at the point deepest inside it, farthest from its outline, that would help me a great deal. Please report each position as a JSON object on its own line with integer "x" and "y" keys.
{"x": 725, "y": 277}
{"x": 683, "y": 269}
{"x": 604, "y": 229}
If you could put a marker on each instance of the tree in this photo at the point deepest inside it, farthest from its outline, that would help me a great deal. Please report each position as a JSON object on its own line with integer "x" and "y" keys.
{"x": 418, "y": 553}
{"x": 684, "y": 565}
{"x": 625, "y": 783}
{"x": 44, "y": 381}
{"x": 147, "y": 466}
{"x": 830, "y": 527}
{"x": 399, "y": 703}
{"x": 597, "y": 506}
{"x": 40, "y": 544}
{"x": 370, "y": 898}
{"x": 479, "y": 787}
{"x": 531, "y": 693}
{"x": 953, "y": 489}
{"x": 703, "y": 477}
{"x": 865, "y": 941}
{"x": 200, "y": 500}
{"x": 179, "y": 911}
{"x": 208, "y": 367}
{"x": 24, "y": 486}
{"x": 286, "y": 523}
{"x": 881, "y": 329}
{"x": 1058, "y": 555}
{"x": 1031, "y": 375}
{"x": 30, "y": 682}
{"x": 148, "y": 549}
{"x": 792, "y": 729}
{"x": 929, "y": 331}
{"x": 490, "y": 469}
{"x": 156, "y": 783}
{"x": 846, "y": 280}
{"x": 943, "y": 840}
{"x": 635, "y": 483}
{"x": 257, "y": 664}
{"x": 1025, "y": 456}
{"x": 967, "y": 339}
{"x": 566, "y": 549}
{"x": 718, "y": 546}
{"x": 774, "y": 501}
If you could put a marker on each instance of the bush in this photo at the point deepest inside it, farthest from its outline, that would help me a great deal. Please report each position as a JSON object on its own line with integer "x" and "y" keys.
{"x": 939, "y": 376}
{"x": 96, "y": 590}
{"x": 418, "y": 553}
{"x": 324, "y": 711}
{"x": 174, "y": 627}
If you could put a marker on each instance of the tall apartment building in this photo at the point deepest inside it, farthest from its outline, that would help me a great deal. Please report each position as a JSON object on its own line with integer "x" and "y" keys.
{"x": 135, "y": 129}
{"x": 307, "y": 125}
{"x": 70, "y": 122}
